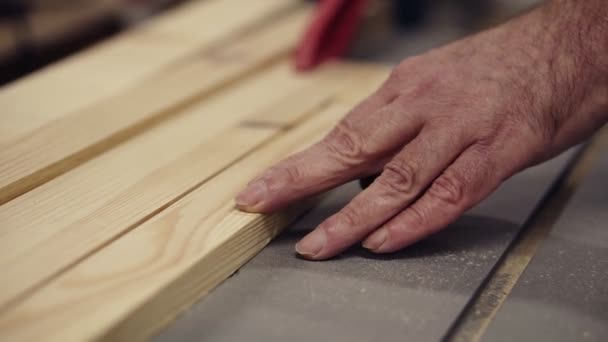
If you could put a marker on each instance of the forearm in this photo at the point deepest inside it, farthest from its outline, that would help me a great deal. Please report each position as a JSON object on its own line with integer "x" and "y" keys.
{"x": 558, "y": 53}
{"x": 577, "y": 42}
{"x": 579, "y": 29}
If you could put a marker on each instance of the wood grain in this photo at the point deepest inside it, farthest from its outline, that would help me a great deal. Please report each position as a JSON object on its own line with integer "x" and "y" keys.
{"x": 70, "y": 140}
{"x": 47, "y": 230}
{"x": 119, "y": 63}
{"x": 127, "y": 290}
{"x": 38, "y": 225}
{"x": 134, "y": 285}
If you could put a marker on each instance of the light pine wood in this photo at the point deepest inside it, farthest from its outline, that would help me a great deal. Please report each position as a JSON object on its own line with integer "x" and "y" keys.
{"x": 48, "y": 229}
{"x": 119, "y": 63}
{"x": 125, "y": 160}
{"x": 128, "y": 289}
{"x": 66, "y": 142}
{"x": 134, "y": 285}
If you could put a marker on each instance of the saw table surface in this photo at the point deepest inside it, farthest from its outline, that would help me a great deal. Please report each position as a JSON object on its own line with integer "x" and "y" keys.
{"x": 563, "y": 294}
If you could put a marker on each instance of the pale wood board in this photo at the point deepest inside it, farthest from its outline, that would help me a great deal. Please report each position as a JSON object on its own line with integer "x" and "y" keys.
{"x": 125, "y": 60}
{"x": 69, "y": 140}
{"x": 130, "y": 288}
{"x": 48, "y": 229}
{"x": 200, "y": 239}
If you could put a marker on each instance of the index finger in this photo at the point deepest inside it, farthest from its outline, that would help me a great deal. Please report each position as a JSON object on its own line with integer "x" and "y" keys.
{"x": 333, "y": 161}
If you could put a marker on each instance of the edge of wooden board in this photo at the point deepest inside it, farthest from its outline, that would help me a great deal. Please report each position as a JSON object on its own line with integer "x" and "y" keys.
{"x": 162, "y": 263}
{"x": 42, "y": 226}
{"x": 108, "y": 295}
{"x": 109, "y": 212}
{"x": 69, "y": 141}
{"x": 125, "y": 60}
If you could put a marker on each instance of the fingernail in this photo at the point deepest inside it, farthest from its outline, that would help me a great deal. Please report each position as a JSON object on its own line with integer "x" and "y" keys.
{"x": 252, "y": 195}
{"x": 311, "y": 244}
{"x": 376, "y": 240}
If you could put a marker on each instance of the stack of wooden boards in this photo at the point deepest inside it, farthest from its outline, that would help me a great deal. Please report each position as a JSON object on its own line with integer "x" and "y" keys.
{"x": 118, "y": 166}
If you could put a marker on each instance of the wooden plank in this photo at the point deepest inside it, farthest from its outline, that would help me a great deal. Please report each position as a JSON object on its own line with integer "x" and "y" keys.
{"x": 98, "y": 187}
{"x": 50, "y": 228}
{"x": 124, "y": 61}
{"x": 137, "y": 283}
{"x": 562, "y": 295}
{"x": 211, "y": 205}
{"x": 66, "y": 142}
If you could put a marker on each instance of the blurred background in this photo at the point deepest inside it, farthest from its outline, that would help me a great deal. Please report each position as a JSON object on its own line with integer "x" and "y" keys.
{"x": 34, "y": 33}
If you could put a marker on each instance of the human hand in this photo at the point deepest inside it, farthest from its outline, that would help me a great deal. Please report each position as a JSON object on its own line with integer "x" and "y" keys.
{"x": 444, "y": 130}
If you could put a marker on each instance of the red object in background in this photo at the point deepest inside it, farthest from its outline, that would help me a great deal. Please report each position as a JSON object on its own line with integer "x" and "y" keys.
{"x": 330, "y": 33}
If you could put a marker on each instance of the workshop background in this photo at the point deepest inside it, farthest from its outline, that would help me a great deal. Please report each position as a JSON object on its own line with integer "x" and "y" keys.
{"x": 34, "y": 33}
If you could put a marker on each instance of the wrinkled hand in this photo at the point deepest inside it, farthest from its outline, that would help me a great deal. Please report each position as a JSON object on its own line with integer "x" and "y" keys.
{"x": 445, "y": 130}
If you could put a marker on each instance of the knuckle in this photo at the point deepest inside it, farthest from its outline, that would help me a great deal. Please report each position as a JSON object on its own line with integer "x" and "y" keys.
{"x": 398, "y": 177}
{"x": 397, "y": 72}
{"x": 350, "y": 217}
{"x": 419, "y": 221}
{"x": 402, "y": 71}
{"x": 427, "y": 86}
{"x": 408, "y": 64}
{"x": 448, "y": 189}
{"x": 415, "y": 68}
{"x": 345, "y": 144}
{"x": 485, "y": 145}
{"x": 413, "y": 221}
{"x": 342, "y": 225}
{"x": 417, "y": 218}
{"x": 283, "y": 174}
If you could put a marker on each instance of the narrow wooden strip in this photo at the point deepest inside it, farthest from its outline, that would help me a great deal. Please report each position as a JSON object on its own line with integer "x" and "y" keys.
{"x": 124, "y": 291}
{"x": 50, "y": 228}
{"x": 119, "y": 63}
{"x": 67, "y": 142}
